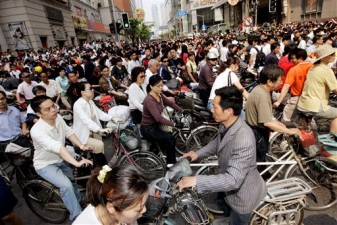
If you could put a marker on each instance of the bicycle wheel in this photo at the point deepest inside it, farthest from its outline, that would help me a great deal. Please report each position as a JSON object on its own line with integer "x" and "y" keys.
{"x": 45, "y": 201}
{"x": 323, "y": 193}
{"x": 181, "y": 138}
{"x": 279, "y": 144}
{"x": 200, "y": 137}
{"x": 147, "y": 162}
{"x": 263, "y": 214}
{"x": 212, "y": 200}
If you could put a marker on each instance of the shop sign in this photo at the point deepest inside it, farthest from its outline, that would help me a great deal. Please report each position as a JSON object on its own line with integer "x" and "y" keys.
{"x": 98, "y": 27}
{"x": 79, "y": 22}
{"x": 199, "y": 4}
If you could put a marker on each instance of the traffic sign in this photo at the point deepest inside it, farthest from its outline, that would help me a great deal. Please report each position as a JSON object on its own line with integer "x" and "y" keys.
{"x": 249, "y": 21}
{"x": 181, "y": 13}
{"x": 203, "y": 27}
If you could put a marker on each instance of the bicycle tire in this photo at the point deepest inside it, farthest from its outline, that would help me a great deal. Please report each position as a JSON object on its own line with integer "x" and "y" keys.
{"x": 323, "y": 194}
{"x": 200, "y": 137}
{"x": 45, "y": 201}
{"x": 266, "y": 209}
{"x": 181, "y": 138}
{"x": 279, "y": 145}
{"x": 147, "y": 162}
{"x": 211, "y": 199}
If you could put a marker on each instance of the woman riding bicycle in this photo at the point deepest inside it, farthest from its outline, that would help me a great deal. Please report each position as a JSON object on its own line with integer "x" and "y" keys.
{"x": 153, "y": 107}
{"x": 137, "y": 94}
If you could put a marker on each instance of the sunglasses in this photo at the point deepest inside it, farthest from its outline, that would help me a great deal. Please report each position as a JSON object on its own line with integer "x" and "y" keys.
{"x": 165, "y": 60}
{"x": 142, "y": 76}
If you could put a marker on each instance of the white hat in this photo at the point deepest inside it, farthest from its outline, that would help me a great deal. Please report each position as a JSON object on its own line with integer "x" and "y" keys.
{"x": 235, "y": 42}
{"x": 323, "y": 51}
{"x": 212, "y": 55}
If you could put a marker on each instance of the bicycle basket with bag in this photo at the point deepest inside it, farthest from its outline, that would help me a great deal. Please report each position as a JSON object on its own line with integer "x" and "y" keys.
{"x": 158, "y": 195}
{"x": 18, "y": 154}
{"x": 309, "y": 143}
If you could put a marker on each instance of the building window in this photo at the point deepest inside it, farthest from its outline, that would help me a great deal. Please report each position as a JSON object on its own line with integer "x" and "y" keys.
{"x": 311, "y": 9}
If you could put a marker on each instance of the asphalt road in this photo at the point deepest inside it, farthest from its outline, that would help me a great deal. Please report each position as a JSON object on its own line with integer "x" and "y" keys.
{"x": 326, "y": 217}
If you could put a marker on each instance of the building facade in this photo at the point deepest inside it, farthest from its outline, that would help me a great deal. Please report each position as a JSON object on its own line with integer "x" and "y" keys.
{"x": 27, "y": 24}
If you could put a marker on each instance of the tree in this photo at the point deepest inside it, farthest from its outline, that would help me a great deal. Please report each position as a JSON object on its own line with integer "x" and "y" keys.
{"x": 138, "y": 30}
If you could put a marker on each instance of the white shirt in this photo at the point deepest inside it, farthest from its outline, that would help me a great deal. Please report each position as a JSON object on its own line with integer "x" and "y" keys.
{"x": 88, "y": 217}
{"x": 133, "y": 64}
{"x": 87, "y": 118}
{"x": 253, "y": 54}
{"x": 302, "y": 44}
{"x": 15, "y": 73}
{"x": 136, "y": 97}
{"x": 26, "y": 89}
{"x": 52, "y": 89}
{"x": 223, "y": 54}
{"x": 266, "y": 49}
{"x": 222, "y": 81}
{"x": 48, "y": 141}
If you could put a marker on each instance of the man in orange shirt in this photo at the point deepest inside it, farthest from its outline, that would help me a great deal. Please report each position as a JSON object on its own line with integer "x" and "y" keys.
{"x": 294, "y": 82}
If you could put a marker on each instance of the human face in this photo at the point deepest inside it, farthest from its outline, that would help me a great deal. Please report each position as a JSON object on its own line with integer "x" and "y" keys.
{"x": 141, "y": 78}
{"x": 134, "y": 56}
{"x": 105, "y": 72}
{"x": 88, "y": 91}
{"x": 294, "y": 60}
{"x": 158, "y": 88}
{"x": 234, "y": 67}
{"x": 3, "y": 101}
{"x": 191, "y": 58}
{"x": 275, "y": 85}
{"x": 26, "y": 78}
{"x": 147, "y": 52}
{"x": 277, "y": 50}
{"x": 62, "y": 73}
{"x": 132, "y": 213}
{"x": 213, "y": 61}
{"x": 173, "y": 54}
{"x": 72, "y": 78}
{"x": 165, "y": 62}
{"x": 44, "y": 77}
{"x": 154, "y": 68}
{"x": 220, "y": 115}
{"x": 48, "y": 110}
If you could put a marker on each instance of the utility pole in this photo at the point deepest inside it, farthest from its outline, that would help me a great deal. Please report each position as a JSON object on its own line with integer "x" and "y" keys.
{"x": 256, "y": 7}
{"x": 114, "y": 18}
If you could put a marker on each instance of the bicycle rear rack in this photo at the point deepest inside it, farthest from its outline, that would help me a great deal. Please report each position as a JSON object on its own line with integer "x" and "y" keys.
{"x": 286, "y": 189}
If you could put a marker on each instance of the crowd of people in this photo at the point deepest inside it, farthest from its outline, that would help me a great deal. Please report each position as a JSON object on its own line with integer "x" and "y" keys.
{"x": 294, "y": 61}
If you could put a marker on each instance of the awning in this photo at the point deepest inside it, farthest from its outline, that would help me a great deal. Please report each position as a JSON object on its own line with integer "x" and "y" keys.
{"x": 218, "y": 4}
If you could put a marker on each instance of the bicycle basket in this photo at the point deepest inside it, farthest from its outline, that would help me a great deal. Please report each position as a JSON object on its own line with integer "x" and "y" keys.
{"x": 130, "y": 139}
{"x": 192, "y": 208}
{"x": 18, "y": 154}
{"x": 158, "y": 196}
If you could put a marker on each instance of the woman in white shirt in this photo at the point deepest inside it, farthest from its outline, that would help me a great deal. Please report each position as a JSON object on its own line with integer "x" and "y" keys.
{"x": 137, "y": 94}
{"x": 116, "y": 195}
{"x": 227, "y": 77}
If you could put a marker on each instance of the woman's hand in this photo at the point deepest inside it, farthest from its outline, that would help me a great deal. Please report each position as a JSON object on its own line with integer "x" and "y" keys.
{"x": 84, "y": 162}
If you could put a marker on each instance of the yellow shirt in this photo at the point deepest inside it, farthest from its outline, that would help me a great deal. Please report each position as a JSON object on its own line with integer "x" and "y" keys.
{"x": 317, "y": 87}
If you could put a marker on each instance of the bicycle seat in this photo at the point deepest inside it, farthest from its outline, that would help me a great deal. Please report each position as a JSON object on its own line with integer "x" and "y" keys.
{"x": 305, "y": 115}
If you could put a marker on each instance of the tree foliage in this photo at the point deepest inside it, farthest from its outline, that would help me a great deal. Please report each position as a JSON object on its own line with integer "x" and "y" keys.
{"x": 138, "y": 31}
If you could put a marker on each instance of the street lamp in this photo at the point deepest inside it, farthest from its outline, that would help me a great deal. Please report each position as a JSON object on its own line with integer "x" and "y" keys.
{"x": 255, "y": 7}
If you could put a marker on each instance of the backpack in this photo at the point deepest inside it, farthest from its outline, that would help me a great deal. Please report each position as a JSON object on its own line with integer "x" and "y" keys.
{"x": 260, "y": 59}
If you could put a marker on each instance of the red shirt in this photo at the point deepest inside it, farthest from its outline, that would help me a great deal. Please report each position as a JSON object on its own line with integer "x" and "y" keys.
{"x": 285, "y": 64}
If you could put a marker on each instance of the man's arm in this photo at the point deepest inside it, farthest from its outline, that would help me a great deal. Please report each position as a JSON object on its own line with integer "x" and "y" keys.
{"x": 283, "y": 94}
{"x": 280, "y": 127}
{"x": 66, "y": 156}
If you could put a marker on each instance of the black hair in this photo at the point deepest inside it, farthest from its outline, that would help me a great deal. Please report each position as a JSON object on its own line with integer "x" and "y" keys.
{"x": 298, "y": 53}
{"x": 37, "y": 101}
{"x": 123, "y": 187}
{"x": 231, "y": 97}
{"x": 274, "y": 46}
{"x": 135, "y": 72}
{"x": 3, "y": 93}
{"x": 154, "y": 80}
{"x": 38, "y": 88}
{"x": 270, "y": 72}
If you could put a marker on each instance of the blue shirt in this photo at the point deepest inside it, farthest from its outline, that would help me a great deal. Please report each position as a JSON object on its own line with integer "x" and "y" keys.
{"x": 10, "y": 123}
{"x": 64, "y": 83}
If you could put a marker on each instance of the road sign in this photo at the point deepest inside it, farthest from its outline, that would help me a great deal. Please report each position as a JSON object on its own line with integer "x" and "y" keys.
{"x": 249, "y": 21}
{"x": 203, "y": 27}
{"x": 181, "y": 13}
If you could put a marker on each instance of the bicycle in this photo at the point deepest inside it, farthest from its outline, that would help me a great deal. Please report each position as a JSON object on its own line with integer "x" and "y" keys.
{"x": 165, "y": 199}
{"x": 44, "y": 199}
{"x": 284, "y": 162}
{"x": 147, "y": 162}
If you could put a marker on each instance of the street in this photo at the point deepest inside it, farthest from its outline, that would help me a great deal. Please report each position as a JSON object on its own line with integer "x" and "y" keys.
{"x": 326, "y": 217}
